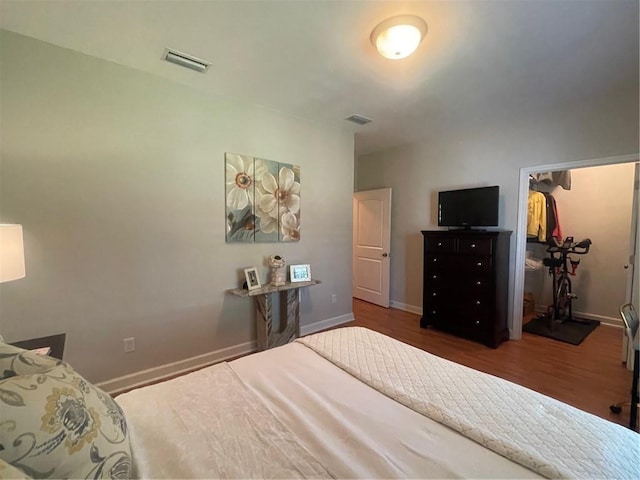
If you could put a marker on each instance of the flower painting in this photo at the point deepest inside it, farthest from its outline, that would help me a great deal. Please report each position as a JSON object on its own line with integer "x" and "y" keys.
{"x": 239, "y": 178}
{"x": 262, "y": 200}
{"x": 289, "y": 202}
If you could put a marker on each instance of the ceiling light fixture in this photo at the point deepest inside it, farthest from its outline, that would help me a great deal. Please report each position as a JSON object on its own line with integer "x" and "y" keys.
{"x": 185, "y": 60}
{"x": 399, "y": 36}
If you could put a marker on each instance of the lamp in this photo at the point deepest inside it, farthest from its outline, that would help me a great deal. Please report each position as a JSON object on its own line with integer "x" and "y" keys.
{"x": 399, "y": 36}
{"x": 11, "y": 253}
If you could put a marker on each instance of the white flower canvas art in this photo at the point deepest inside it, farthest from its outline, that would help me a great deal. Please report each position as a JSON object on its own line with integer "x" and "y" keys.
{"x": 262, "y": 200}
{"x": 240, "y": 194}
{"x": 289, "y": 203}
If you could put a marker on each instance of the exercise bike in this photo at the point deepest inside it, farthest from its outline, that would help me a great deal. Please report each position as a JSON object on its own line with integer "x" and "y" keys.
{"x": 558, "y": 263}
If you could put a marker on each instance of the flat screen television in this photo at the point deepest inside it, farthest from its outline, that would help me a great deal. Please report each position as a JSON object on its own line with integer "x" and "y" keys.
{"x": 469, "y": 207}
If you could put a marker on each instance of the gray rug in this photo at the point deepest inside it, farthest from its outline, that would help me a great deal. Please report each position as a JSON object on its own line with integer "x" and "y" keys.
{"x": 573, "y": 332}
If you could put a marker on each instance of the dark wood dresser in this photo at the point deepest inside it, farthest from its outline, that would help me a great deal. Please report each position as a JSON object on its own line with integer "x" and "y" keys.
{"x": 465, "y": 283}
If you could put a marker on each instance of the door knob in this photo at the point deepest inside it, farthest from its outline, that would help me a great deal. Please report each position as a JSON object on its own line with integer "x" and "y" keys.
{"x": 386, "y": 255}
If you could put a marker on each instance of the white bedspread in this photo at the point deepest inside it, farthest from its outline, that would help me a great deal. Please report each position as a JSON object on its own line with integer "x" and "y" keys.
{"x": 358, "y": 432}
{"x": 543, "y": 434}
{"x": 209, "y": 425}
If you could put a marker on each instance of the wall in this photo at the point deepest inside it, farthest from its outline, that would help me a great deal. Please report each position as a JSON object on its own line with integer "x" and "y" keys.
{"x": 117, "y": 177}
{"x": 599, "y": 207}
{"x": 491, "y": 153}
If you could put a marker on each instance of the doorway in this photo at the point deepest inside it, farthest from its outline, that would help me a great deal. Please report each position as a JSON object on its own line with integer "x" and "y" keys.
{"x": 372, "y": 245}
{"x": 519, "y": 269}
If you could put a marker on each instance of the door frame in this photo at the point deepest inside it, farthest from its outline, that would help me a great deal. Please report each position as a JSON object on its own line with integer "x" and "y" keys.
{"x": 517, "y": 297}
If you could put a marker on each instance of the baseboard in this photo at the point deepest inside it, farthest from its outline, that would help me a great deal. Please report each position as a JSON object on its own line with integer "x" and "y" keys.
{"x": 405, "y": 307}
{"x": 615, "y": 322}
{"x": 324, "y": 324}
{"x": 168, "y": 370}
{"x": 162, "y": 372}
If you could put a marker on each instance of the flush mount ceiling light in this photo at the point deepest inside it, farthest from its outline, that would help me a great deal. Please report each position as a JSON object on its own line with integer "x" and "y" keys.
{"x": 184, "y": 60}
{"x": 398, "y": 37}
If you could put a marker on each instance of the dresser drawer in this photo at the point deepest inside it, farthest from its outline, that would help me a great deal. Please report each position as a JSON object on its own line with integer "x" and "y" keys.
{"x": 442, "y": 297}
{"x": 475, "y": 264}
{"x": 476, "y": 284}
{"x": 439, "y": 315}
{"x": 439, "y": 263}
{"x": 440, "y": 244}
{"x": 479, "y": 246}
{"x": 475, "y": 305}
{"x": 477, "y": 326}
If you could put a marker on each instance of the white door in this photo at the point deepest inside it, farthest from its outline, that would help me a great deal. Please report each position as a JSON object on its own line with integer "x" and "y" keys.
{"x": 371, "y": 245}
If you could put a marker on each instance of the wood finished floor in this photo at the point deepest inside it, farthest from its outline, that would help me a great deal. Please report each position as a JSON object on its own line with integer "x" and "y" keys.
{"x": 589, "y": 376}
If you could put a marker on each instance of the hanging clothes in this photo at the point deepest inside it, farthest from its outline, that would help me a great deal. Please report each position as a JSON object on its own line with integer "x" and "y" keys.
{"x": 556, "y": 231}
{"x": 537, "y": 216}
{"x": 562, "y": 178}
{"x": 542, "y": 218}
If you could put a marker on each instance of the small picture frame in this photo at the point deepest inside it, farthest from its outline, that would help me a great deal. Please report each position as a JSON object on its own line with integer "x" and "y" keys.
{"x": 300, "y": 273}
{"x": 253, "y": 281}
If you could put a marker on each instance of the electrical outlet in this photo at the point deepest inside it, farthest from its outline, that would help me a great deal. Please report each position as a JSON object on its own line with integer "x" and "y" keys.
{"x": 129, "y": 345}
{"x": 334, "y": 298}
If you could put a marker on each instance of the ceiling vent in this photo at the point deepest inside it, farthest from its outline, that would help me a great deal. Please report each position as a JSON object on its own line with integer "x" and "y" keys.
{"x": 359, "y": 119}
{"x": 187, "y": 61}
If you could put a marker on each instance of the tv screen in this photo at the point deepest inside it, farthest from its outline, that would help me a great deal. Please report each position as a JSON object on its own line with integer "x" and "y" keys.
{"x": 471, "y": 207}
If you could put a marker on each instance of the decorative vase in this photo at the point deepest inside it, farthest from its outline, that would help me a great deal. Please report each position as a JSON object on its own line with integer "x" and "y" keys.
{"x": 278, "y": 271}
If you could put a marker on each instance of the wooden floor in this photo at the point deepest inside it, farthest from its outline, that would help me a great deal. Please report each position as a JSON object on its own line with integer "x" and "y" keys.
{"x": 589, "y": 376}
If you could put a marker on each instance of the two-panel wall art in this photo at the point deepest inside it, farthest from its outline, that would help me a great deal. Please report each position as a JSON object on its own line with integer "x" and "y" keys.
{"x": 262, "y": 200}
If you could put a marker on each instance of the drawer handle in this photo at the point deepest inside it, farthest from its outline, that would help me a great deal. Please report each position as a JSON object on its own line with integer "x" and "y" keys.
{"x": 477, "y": 302}
{"x": 473, "y": 245}
{"x": 477, "y": 322}
{"x": 478, "y": 282}
{"x": 479, "y": 264}
{"x": 435, "y": 260}
{"x": 434, "y": 277}
{"x": 433, "y": 312}
{"x": 434, "y": 294}
{"x": 439, "y": 244}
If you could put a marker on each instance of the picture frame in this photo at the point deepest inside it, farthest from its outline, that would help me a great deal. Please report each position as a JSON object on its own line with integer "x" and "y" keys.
{"x": 300, "y": 273}
{"x": 253, "y": 280}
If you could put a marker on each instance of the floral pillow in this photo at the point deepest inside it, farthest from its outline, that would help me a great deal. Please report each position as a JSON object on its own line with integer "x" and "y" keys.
{"x": 55, "y": 424}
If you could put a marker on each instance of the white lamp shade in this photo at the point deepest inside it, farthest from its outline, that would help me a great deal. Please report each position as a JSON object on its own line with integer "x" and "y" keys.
{"x": 398, "y": 37}
{"x": 11, "y": 253}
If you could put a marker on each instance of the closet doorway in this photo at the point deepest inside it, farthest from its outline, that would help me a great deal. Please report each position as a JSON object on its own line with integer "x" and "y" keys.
{"x": 572, "y": 224}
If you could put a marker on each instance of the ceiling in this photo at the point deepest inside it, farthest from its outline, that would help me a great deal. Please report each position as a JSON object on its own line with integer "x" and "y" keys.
{"x": 313, "y": 59}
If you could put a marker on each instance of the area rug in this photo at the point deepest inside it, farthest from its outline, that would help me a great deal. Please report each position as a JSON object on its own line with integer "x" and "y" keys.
{"x": 573, "y": 332}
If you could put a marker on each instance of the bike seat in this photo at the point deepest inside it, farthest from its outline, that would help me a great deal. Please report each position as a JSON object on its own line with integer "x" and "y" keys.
{"x": 583, "y": 243}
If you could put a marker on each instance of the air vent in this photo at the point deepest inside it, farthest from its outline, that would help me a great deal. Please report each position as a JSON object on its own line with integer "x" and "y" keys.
{"x": 359, "y": 119}
{"x": 187, "y": 61}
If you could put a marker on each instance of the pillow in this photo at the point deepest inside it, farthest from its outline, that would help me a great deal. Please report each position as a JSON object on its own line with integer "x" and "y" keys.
{"x": 7, "y": 471}
{"x": 55, "y": 424}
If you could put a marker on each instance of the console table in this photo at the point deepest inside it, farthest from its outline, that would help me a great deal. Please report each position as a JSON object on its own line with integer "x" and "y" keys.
{"x": 266, "y": 337}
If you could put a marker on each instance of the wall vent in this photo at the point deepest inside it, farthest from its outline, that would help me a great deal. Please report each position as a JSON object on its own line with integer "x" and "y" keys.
{"x": 184, "y": 60}
{"x": 359, "y": 119}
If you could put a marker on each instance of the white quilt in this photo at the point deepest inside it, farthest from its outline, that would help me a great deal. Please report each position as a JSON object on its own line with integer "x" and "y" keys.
{"x": 538, "y": 432}
{"x": 218, "y": 430}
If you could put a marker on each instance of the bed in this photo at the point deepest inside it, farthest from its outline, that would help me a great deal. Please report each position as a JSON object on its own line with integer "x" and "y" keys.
{"x": 347, "y": 403}
{"x": 353, "y": 403}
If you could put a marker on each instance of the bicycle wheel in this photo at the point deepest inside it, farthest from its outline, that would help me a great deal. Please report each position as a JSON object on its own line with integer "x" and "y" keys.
{"x": 564, "y": 296}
